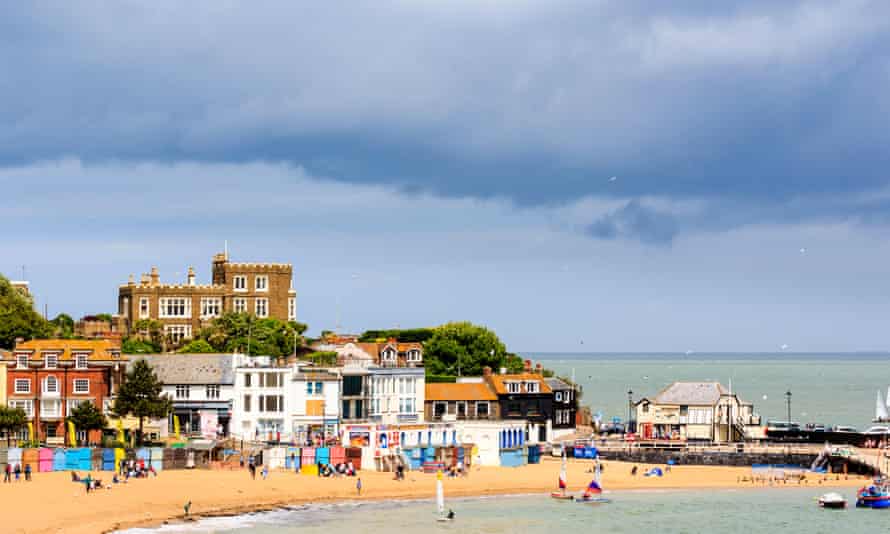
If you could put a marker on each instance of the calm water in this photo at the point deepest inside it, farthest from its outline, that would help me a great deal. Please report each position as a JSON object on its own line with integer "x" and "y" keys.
{"x": 727, "y": 512}
{"x": 825, "y": 388}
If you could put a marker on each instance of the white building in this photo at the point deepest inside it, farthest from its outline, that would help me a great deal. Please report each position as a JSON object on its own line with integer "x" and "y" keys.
{"x": 396, "y": 395}
{"x": 260, "y": 409}
{"x": 314, "y": 405}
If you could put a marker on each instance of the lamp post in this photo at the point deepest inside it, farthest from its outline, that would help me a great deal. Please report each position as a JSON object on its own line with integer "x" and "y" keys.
{"x": 630, "y": 404}
{"x": 788, "y": 398}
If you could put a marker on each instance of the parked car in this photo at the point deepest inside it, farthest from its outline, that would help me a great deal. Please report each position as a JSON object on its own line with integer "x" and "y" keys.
{"x": 842, "y": 428}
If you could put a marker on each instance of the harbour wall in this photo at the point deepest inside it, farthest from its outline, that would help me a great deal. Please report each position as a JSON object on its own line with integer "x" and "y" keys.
{"x": 737, "y": 459}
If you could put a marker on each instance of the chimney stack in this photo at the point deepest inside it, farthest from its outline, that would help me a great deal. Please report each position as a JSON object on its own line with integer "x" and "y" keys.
{"x": 18, "y": 341}
{"x": 130, "y": 281}
{"x": 143, "y": 280}
{"x": 486, "y": 371}
{"x": 191, "y": 276}
{"x": 539, "y": 368}
{"x": 528, "y": 366}
{"x": 155, "y": 277}
{"x": 503, "y": 370}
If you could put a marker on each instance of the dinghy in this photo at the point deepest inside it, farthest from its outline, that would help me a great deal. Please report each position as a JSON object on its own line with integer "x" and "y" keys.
{"x": 594, "y": 491}
{"x": 881, "y": 415}
{"x": 832, "y": 500}
{"x": 561, "y": 494}
{"x": 441, "y": 515}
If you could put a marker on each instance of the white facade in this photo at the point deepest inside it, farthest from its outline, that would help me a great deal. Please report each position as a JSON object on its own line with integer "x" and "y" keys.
{"x": 396, "y": 395}
{"x": 260, "y": 408}
{"x": 314, "y": 405}
{"x": 486, "y": 437}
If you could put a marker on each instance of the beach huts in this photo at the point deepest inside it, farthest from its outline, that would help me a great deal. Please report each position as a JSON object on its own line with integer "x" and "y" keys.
{"x": 702, "y": 411}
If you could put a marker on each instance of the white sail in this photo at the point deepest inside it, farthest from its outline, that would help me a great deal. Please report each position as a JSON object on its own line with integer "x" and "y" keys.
{"x": 880, "y": 409}
{"x": 887, "y": 398}
{"x": 596, "y": 473}
{"x": 440, "y": 496}
{"x": 563, "y": 479}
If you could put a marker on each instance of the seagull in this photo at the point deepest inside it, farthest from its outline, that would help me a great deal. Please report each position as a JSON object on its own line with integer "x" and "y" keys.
{"x": 613, "y": 179}
{"x": 765, "y": 397}
{"x": 784, "y": 346}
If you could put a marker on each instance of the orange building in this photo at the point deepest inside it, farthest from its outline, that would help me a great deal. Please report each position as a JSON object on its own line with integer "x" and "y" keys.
{"x": 47, "y": 378}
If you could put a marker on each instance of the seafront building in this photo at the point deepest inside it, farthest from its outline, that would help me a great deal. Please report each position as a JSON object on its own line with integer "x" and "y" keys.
{"x": 261, "y": 289}
{"x": 565, "y": 406}
{"x": 202, "y": 387}
{"x": 48, "y": 378}
{"x": 702, "y": 411}
{"x": 524, "y": 397}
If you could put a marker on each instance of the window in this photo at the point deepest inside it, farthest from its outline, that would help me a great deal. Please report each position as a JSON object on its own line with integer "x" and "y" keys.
{"x": 51, "y": 361}
{"x": 240, "y": 282}
{"x": 513, "y": 387}
{"x": 50, "y": 408}
{"x": 22, "y": 385}
{"x": 482, "y": 409}
{"x": 210, "y": 307}
{"x": 352, "y": 385}
{"x": 261, "y": 307}
{"x": 80, "y": 361}
{"x": 389, "y": 355}
{"x": 261, "y": 283}
{"x": 532, "y": 387}
{"x": 271, "y": 403}
{"x": 50, "y": 385}
{"x": 182, "y": 391}
{"x": 271, "y": 380}
{"x": 171, "y": 307}
{"x": 213, "y": 391}
{"x": 26, "y": 405}
{"x": 143, "y": 308}
{"x": 247, "y": 402}
{"x": 177, "y": 332}
{"x": 239, "y": 305}
{"x": 557, "y": 396}
{"x": 406, "y": 405}
{"x": 314, "y": 388}
{"x": 81, "y": 385}
{"x": 461, "y": 409}
{"x": 74, "y": 403}
{"x": 514, "y": 409}
{"x": 645, "y": 407}
{"x": 439, "y": 409}
{"x": 414, "y": 355}
{"x": 291, "y": 309}
{"x": 247, "y": 380}
{"x": 21, "y": 361}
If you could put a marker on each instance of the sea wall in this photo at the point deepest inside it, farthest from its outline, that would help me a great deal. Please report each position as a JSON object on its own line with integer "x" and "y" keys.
{"x": 738, "y": 459}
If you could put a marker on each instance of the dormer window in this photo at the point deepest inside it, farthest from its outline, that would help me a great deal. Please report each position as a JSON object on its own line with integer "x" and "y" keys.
{"x": 532, "y": 387}
{"x": 21, "y": 361}
{"x": 414, "y": 355}
{"x": 389, "y": 355}
{"x": 80, "y": 361}
{"x": 513, "y": 387}
{"x": 51, "y": 361}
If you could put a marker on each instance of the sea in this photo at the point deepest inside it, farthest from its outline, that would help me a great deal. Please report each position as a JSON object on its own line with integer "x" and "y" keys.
{"x": 825, "y": 388}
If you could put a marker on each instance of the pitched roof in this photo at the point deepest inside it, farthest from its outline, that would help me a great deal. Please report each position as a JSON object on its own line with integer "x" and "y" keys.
{"x": 474, "y": 391}
{"x": 97, "y": 349}
{"x": 557, "y": 383}
{"x": 691, "y": 393}
{"x": 498, "y": 382}
{"x": 191, "y": 368}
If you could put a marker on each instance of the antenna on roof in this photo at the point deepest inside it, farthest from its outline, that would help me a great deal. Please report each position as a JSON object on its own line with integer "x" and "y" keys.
{"x": 23, "y": 273}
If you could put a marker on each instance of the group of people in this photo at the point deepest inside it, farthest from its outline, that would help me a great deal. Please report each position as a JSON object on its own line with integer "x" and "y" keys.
{"x": 340, "y": 469}
{"x": 9, "y": 471}
{"x": 136, "y": 469}
{"x": 457, "y": 469}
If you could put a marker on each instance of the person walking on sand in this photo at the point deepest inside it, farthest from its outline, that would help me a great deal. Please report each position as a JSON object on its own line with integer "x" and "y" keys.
{"x": 7, "y": 471}
{"x": 27, "y": 472}
{"x": 358, "y": 486}
{"x": 265, "y": 471}
{"x": 18, "y": 472}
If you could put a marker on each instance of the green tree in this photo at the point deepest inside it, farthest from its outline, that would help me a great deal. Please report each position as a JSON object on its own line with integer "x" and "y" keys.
{"x": 104, "y": 317}
{"x": 243, "y": 332}
{"x": 197, "y": 346}
{"x": 409, "y": 335}
{"x": 12, "y": 420}
{"x": 86, "y": 416}
{"x": 140, "y": 396}
{"x": 138, "y": 346}
{"x": 63, "y": 326}
{"x": 464, "y": 349}
{"x": 151, "y": 330}
{"x": 18, "y": 318}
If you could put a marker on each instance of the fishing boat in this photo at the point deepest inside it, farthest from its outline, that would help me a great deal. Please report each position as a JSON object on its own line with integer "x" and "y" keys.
{"x": 561, "y": 494}
{"x": 876, "y": 495}
{"x": 832, "y": 500}
{"x": 441, "y": 515}
{"x": 594, "y": 491}
{"x": 881, "y": 412}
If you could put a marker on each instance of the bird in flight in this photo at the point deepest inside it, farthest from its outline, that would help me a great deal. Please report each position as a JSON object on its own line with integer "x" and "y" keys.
{"x": 613, "y": 179}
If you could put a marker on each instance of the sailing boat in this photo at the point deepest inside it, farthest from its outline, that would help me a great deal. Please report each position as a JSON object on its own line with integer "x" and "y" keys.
{"x": 561, "y": 494}
{"x": 881, "y": 415}
{"x": 594, "y": 491}
{"x": 440, "y": 501}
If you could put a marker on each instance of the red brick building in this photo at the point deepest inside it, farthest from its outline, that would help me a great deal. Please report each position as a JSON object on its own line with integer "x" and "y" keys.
{"x": 49, "y": 377}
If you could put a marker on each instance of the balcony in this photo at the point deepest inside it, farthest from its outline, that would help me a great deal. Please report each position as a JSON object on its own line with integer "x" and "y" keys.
{"x": 407, "y": 418}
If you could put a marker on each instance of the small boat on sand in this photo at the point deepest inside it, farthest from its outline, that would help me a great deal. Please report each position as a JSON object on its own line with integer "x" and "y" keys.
{"x": 832, "y": 500}
{"x": 561, "y": 494}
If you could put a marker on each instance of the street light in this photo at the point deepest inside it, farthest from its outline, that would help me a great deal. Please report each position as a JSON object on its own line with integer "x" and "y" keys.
{"x": 788, "y": 398}
{"x": 630, "y": 404}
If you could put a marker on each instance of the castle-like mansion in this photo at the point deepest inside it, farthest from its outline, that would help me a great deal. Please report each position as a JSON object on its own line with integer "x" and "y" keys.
{"x": 263, "y": 289}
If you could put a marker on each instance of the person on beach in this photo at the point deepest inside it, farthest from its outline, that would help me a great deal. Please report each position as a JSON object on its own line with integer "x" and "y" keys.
{"x": 18, "y": 472}
{"x": 7, "y": 471}
{"x": 265, "y": 471}
{"x": 27, "y": 472}
{"x": 187, "y": 507}
{"x": 252, "y": 469}
{"x": 358, "y": 486}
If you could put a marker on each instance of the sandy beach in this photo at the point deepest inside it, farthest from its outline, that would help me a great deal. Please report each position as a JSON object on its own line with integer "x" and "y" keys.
{"x": 52, "y": 503}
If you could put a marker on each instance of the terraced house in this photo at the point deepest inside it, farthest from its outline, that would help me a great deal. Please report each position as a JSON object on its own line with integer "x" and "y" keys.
{"x": 48, "y": 378}
{"x": 262, "y": 289}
